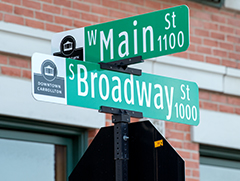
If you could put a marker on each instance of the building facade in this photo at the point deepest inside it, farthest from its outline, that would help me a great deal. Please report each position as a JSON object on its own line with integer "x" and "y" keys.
{"x": 43, "y": 141}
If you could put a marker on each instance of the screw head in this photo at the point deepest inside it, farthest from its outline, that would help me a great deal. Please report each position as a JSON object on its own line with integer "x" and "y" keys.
{"x": 125, "y": 138}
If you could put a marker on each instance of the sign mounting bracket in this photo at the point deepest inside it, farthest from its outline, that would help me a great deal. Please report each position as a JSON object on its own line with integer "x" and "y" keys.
{"x": 121, "y": 118}
{"x": 122, "y": 65}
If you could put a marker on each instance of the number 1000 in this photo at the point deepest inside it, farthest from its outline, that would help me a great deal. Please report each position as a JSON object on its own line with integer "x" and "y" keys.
{"x": 186, "y": 111}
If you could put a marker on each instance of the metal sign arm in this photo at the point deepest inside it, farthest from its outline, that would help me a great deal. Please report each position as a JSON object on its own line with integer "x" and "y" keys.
{"x": 122, "y": 65}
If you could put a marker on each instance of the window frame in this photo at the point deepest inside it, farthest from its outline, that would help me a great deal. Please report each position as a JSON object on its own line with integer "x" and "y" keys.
{"x": 42, "y": 132}
{"x": 219, "y": 156}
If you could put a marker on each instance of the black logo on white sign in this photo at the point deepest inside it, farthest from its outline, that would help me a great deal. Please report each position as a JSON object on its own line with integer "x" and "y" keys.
{"x": 49, "y": 70}
{"x": 47, "y": 82}
{"x": 67, "y": 45}
{"x": 68, "y": 49}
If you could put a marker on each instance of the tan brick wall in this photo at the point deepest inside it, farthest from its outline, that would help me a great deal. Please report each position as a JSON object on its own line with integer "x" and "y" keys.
{"x": 219, "y": 102}
{"x": 215, "y": 34}
{"x": 16, "y": 66}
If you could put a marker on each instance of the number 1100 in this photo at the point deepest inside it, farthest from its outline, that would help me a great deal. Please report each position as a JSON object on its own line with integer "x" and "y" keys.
{"x": 171, "y": 41}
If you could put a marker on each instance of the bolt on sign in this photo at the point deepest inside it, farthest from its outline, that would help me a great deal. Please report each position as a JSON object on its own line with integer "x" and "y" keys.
{"x": 148, "y": 35}
{"x": 85, "y": 84}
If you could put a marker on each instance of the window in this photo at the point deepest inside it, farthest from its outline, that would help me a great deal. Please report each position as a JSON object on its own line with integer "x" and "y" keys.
{"x": 219, "y": 164}
{"x": 38, "y": 151}
{"x": 214, "y": 3}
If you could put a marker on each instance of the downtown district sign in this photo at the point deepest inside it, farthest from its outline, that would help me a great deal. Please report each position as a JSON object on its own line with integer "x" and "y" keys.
{"x": 148, "y": 35}
{"x": 85, "y": 84}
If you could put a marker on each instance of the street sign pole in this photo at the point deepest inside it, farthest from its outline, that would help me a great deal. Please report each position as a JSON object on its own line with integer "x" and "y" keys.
{"x": 121, "y": 118}
{"x": 121, "y": 148}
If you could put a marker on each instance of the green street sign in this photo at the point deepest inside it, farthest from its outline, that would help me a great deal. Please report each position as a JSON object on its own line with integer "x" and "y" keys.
{"x": 148, "y": 35}
{"x": 85, "y": 84}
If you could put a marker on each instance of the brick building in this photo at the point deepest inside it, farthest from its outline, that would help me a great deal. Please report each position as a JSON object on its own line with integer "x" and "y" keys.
{"x": 43, "y": 141}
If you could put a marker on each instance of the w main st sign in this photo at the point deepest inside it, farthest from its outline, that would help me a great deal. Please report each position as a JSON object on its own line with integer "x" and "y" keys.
{"x": 149, "y": 35}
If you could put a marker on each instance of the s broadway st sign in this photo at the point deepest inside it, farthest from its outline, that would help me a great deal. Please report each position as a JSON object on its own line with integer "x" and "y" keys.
{"x": 148, "y": 35}
{"x": 85, "y": 84}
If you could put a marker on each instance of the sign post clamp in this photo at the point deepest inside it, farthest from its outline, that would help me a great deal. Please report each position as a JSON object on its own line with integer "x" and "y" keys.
{"x": 122, "y": 65}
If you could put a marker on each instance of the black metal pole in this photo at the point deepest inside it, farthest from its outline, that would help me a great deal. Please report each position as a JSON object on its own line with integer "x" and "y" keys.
{"x": 120, "y": 119}
{"x": 121, "y": 147}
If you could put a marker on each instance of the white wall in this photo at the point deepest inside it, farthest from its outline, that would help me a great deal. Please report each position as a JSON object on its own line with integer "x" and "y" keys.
{"x": 218, "y": 129}
{"x": 232, "y": 4}
{"x": 16, "y": 100}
